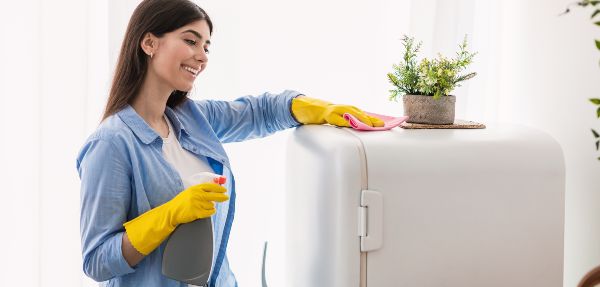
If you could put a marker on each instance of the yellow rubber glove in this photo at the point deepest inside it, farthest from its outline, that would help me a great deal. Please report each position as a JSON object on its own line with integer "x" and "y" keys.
{"x": 150, "y": 229}
{"x": 314, "y": 111}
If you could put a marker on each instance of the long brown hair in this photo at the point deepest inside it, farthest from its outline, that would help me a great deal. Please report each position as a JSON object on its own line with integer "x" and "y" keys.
{"x": 151, "y": 16}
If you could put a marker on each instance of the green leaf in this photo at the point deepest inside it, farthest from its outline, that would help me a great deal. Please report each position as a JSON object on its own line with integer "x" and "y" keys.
{"x": 597, "y": 44}
{"x": 595, "y": 13}
{"x": 596, "y": 135}
{"x": 597, "y": 23}
{"x": 393, "y": 79}
{"x": 393, "y": 95}
{"x": 598, "y": 112}
{"x": 597, "y": 144}
{"x": 595, "y": 101}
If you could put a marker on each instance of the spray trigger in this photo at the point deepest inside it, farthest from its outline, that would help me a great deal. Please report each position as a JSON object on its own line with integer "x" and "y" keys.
{"x": 220, "y": 180}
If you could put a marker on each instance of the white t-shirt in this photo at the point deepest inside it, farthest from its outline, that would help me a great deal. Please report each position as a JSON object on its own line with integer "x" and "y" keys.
{"x": 186, "y": 163}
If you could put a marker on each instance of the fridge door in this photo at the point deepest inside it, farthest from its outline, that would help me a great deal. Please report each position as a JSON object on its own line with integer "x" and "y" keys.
{"x": 427, "y": 207}
{"x": 467, "y": 207}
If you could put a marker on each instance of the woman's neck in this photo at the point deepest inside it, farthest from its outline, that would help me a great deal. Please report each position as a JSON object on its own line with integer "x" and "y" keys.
{"x": 150, "y": 104}
{"x": 151, "y": 100}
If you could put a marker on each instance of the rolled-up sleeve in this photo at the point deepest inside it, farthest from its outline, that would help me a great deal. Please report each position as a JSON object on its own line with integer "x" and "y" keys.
{"x": 105, "y": 198}
{"x": 250, "y": 116}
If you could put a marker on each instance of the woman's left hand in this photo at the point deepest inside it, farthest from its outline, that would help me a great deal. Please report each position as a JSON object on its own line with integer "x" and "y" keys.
{"x": 314, "y": 111}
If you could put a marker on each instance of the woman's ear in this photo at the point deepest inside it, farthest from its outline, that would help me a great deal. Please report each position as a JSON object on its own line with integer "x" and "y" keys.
{"x": 149, "y": 44}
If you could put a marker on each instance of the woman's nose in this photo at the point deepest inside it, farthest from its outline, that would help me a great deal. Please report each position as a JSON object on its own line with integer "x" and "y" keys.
{"x": 201, "y": 56}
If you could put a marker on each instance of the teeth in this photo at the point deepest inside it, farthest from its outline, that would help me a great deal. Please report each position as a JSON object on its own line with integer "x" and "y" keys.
{"x": 191, "y": 70}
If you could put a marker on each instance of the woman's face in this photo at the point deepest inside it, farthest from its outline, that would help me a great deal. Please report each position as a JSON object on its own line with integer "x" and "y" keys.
{"x": 181, "y": 55}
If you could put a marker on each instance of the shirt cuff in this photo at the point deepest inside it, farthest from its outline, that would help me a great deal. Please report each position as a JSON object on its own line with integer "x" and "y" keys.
{"x": 290, "y": 95}
{"x": 117, "y": 262}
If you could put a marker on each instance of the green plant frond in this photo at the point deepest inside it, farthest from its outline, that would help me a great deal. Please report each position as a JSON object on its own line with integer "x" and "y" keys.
{"x": 405, "y": 76}
{"x": 410, "y": 51}
{"x": 585, "y": 3}
{"x": 418, "y": 47}
{"x": 582, "y": 3}
{"x": 393, "y": 79}
{"x": 465, "y": 77}
{"x": 393, "y": 95}
{"x": 595, "y": 101}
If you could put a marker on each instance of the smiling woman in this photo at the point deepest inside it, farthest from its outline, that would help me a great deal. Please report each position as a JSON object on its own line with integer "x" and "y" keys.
{"x": 137, "y": 168}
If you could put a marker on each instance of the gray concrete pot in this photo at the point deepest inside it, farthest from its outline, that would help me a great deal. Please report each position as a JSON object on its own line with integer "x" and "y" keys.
{"x": 426, "y": 110}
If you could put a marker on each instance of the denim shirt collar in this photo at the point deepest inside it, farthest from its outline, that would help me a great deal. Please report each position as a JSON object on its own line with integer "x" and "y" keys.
{"x": 176, "y": 123}
{"x": 143, "y": 131}
{"x": 147, "y": 135}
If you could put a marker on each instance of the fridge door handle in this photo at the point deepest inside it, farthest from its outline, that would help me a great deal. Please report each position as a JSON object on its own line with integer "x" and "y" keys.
{"x": 371, "y": 220}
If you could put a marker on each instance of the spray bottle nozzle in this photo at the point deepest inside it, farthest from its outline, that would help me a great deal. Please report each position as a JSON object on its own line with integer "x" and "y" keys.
{"x": 220, "y": 180}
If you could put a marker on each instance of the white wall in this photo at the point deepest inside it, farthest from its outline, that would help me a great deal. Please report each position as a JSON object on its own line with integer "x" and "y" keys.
{"x": 534, "y": 67}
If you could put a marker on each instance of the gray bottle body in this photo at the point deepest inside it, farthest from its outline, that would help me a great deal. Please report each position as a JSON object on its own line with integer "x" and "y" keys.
{"x": 188, "y": 253}
{"x": 189, "y": 250}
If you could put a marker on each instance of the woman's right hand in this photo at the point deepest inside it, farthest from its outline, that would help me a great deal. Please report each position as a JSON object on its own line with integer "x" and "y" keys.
{"x": 149, "y": 230}
{"x": 196, "y": 202}
{"x": 314, "y": 111}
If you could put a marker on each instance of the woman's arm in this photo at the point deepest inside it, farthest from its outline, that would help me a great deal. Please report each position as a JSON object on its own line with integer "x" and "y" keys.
{"x": 105, "y": 201}
{"x": 250, "y": 116}
{"x": 132, "y": 256}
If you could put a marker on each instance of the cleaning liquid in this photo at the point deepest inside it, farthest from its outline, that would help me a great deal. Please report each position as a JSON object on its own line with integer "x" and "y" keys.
{"x": 189, "y": 250}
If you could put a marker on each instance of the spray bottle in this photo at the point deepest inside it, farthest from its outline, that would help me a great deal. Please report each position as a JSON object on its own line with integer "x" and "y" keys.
{"x": 189, "y": 250}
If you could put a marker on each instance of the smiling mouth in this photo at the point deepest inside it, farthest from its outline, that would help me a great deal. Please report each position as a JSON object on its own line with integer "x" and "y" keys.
{"x": 191, "y": 70}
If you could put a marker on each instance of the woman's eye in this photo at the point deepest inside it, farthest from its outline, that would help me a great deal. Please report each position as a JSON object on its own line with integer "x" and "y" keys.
{"x": 191, "y": 42}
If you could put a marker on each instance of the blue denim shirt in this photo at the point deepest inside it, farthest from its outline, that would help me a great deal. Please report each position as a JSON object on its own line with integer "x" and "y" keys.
{"x": 124, "y": 174}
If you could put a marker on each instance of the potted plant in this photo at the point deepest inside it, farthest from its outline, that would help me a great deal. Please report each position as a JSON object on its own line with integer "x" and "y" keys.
{"x": 425, "y": 87}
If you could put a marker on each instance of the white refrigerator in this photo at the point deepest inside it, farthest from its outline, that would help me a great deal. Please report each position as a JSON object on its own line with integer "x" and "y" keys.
{"x": 420, "y": 208}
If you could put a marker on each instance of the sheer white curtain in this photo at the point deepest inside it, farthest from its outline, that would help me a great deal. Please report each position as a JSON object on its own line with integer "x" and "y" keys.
{"x": 53, "y": 57}
{"x": 538, "y": 69}
{"x": 57, "y": 58}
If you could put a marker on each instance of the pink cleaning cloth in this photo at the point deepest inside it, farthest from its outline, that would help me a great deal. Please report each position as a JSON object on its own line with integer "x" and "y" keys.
{"x": 389, "y": 122}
